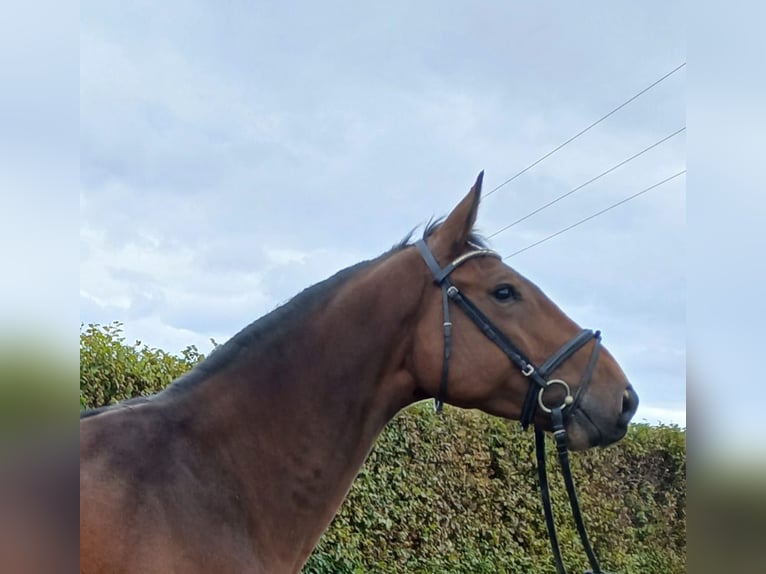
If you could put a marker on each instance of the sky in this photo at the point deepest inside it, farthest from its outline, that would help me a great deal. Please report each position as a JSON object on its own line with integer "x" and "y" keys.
{"x": 233, "y": 153}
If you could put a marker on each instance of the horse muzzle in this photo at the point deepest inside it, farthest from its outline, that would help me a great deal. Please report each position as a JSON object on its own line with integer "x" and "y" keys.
{"x": 588, "y": 425}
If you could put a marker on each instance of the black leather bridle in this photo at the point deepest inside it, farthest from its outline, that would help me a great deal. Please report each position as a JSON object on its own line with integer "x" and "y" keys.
{"x": 539, "y": 382}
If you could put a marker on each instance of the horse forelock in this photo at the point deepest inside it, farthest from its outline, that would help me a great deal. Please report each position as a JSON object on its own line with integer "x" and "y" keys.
{"x": 475, "y": 238}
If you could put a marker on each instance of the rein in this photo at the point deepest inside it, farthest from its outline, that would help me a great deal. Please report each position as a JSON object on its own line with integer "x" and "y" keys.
{"x": 534, "y": 399}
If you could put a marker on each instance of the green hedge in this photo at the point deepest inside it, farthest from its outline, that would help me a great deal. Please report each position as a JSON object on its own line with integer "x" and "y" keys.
{"x": 458, "y": 492}
{"x": 112, "y": 371}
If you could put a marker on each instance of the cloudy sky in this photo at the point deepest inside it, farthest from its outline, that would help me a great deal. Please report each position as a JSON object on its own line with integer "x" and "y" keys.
{"x": 233, "y": 153}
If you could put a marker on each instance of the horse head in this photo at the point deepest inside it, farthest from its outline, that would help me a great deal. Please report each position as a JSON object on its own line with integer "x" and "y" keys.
{"x": 494, "y": 372}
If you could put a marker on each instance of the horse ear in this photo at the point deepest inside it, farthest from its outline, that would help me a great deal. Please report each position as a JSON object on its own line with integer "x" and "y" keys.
{"x": 450, "y": 237}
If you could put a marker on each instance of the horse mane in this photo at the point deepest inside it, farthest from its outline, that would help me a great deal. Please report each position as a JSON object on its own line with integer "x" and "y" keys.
{"x": 285, "y": 317}
{"x": 278, "y": 321}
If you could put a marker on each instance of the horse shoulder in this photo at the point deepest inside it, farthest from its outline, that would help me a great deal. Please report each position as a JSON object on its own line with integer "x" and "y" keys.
{"x": 143, "y": 476}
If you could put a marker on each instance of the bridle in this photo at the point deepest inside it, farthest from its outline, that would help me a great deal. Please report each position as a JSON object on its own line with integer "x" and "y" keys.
{"x": 534, "y": 399}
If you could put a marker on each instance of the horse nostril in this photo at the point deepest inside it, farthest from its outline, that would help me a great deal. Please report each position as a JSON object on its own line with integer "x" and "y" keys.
{"x": 629, "y": 404}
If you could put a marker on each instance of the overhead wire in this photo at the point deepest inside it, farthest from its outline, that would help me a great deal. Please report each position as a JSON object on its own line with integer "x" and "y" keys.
{"x": 579, "y": 187}
{"x": 561, "y": 231}
{"x": 586, "y": 129}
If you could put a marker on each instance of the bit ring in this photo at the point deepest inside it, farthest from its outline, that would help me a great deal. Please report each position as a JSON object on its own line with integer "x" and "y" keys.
{"x": 568, "y": 399}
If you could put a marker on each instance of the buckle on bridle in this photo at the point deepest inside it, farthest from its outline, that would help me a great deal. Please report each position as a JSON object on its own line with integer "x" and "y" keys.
{"x": 528, "y": 370}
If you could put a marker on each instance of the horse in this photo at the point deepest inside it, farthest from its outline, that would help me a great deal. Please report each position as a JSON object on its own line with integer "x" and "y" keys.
{"x": 241, "y": 464}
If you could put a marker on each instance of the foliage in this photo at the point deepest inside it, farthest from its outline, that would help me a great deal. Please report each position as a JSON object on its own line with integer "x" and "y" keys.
{"x": 112, "y": 371}
{"x": 458, "y": 493}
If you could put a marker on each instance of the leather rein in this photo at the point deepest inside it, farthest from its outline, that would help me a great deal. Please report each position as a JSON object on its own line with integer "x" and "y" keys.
{"x": 534, "y": 400}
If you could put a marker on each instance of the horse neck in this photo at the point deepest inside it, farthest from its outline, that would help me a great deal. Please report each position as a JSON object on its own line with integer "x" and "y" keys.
{"x": 298, "y": 415}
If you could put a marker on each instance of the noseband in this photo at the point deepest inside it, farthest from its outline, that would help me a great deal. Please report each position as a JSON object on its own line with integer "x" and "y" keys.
{"x": 539, "y": 383}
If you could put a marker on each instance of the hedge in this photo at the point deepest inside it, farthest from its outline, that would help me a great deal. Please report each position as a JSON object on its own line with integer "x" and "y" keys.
{"x": 458, "y": 492}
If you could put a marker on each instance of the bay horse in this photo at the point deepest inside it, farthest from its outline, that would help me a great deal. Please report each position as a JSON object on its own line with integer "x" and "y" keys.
{"x": 241, "y": 464}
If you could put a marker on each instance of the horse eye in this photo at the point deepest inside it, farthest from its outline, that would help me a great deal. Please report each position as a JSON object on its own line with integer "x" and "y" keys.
{"x": 504, "y": 292}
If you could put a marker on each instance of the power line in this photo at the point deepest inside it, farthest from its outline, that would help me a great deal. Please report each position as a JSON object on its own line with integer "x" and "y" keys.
{"x": 579, "y": 187}
{"x": 594, "y": 124}
{"x": 635, "y": 195}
